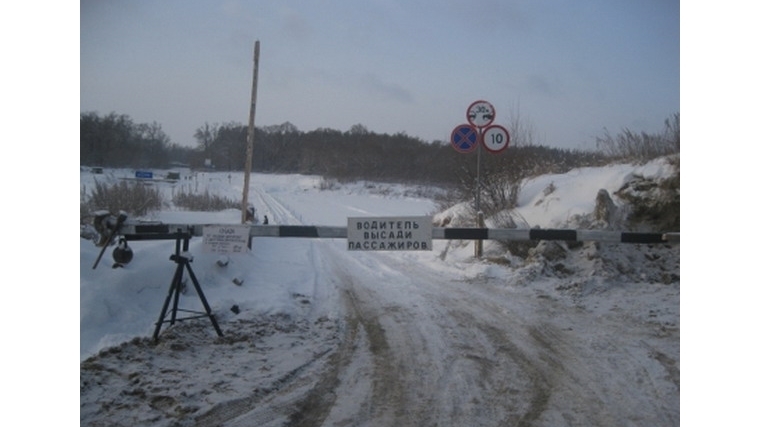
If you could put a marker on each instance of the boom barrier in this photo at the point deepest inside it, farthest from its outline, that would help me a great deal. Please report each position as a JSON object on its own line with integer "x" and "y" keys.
{"x": 399, "y": 233}
{"x": 158, "y": 231}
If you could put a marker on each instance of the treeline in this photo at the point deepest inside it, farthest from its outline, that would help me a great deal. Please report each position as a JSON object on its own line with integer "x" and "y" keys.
{"x": 116, "y": 141}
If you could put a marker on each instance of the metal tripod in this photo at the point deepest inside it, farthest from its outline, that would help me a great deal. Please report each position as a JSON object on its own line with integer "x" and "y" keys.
{"x": 183, "y": 262}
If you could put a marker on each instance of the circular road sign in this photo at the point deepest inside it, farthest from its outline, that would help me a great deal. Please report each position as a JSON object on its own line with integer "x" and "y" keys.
{"x": 464, "y": 138}
{"x": 480, "y": 113}
{"x": 495, "y": 138}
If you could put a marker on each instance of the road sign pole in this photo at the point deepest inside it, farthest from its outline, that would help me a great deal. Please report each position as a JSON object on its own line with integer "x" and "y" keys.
{"x": 479, "y": 243}
{"x": 477, "y": 179}
{"x": 480, "y": 115}
{"x": 478, "y": 212}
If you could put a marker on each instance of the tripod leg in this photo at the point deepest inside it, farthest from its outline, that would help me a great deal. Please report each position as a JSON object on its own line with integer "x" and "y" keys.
{"x": 173, "y": 289}
{"x": 203, "y": 300}
{"x": 177, "y": 290}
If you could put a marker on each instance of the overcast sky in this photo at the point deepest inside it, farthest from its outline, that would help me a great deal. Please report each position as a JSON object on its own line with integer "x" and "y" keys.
{"x": 569, "y": 69}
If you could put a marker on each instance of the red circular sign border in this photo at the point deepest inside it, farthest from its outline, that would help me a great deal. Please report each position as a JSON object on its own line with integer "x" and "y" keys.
{"x": 477, "y": 138}
{"x": 483, "y": 135}
{"x": 477, "y": 102}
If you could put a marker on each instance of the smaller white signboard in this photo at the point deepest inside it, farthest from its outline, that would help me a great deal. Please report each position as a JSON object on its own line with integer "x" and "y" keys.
{"x": 408, "y": 233}
{"x": 225, "y": 239}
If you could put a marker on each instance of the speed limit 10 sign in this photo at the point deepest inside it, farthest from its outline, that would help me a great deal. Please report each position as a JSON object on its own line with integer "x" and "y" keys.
{"x": 495, "y": 138}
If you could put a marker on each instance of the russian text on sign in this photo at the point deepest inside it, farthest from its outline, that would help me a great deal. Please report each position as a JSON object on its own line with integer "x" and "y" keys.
{"x": 225, "y": 239}
{"x": 390, "y": 234}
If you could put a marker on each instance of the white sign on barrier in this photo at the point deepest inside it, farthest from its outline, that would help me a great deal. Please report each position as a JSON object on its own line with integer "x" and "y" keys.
{"x": 225, "y": 239}
{"x": 414, "y": 233}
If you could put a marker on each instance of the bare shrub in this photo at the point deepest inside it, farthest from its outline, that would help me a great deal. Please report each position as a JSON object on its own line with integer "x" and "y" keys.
{"x": 498, "y": 193}
{"x": 512, "y": 219}
{"x": 84, "y": 209}
{"x": 326, "y": 184}
{"x": 204, "y": 202}
{"x": 134, "y": 198}
{"x": 642, "y": 146}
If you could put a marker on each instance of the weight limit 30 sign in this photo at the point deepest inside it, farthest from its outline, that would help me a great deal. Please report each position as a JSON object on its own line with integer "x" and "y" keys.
{"x": 466, "y": 137}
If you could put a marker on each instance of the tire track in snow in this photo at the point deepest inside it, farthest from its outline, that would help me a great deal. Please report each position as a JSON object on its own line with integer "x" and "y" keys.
{"x": 425, "y": 347}
{"x": 322, "y": 295}
{"x": 458, "y": 352}
{"x": 430, "y": 363}
{"x": 273, "y": 208}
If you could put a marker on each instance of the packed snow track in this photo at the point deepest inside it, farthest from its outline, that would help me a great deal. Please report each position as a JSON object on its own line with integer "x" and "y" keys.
{"x": 382, "y": 339}
{"x": 424, "y": 348}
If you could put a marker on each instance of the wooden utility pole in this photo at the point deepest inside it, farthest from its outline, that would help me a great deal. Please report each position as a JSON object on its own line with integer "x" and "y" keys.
{"x": 251, "y": 131}
{"x": 479, "y": 213}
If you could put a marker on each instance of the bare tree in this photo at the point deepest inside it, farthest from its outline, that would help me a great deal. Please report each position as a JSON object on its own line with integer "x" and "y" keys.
{"x": 205, "y": 136}
{"x": 522, "y": 131}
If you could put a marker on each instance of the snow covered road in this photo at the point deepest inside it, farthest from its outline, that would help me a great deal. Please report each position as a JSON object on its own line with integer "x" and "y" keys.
{"x": 393, "y": 339}
{"x": 432, "y": 347}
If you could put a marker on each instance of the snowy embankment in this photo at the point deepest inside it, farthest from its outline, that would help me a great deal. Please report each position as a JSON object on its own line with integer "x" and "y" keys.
{"x": 586, "y": 334}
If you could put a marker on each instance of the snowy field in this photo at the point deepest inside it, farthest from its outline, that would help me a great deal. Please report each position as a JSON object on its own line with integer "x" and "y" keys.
{"x": 318, "y": 335}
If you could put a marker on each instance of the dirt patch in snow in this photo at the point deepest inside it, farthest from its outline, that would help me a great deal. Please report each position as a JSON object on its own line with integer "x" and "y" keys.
{"x": 192, "y": 377}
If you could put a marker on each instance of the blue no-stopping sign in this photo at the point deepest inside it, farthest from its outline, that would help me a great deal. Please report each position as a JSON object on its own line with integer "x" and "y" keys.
{"x": 464, "y": 138}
